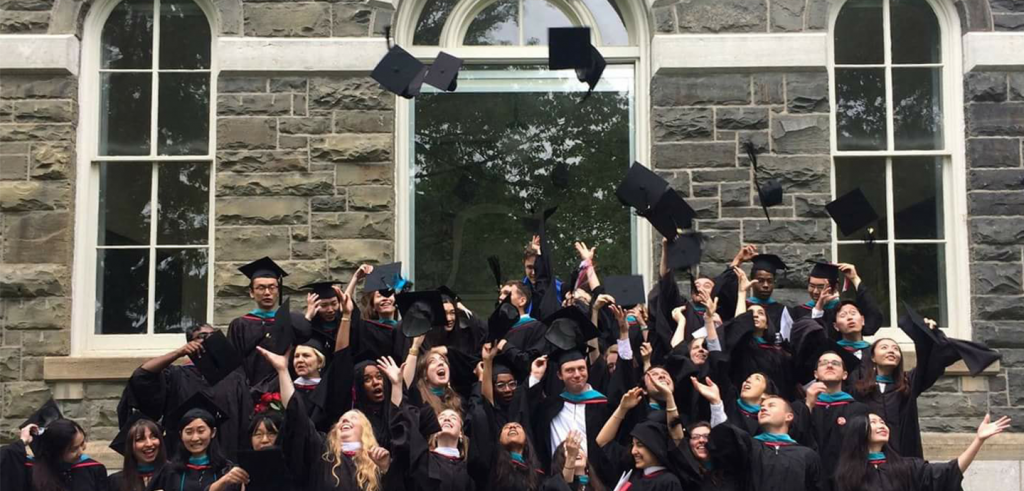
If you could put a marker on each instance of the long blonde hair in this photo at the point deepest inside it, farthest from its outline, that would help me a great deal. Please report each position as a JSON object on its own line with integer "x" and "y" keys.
{"x": 449, "y": 399}
{"x": 367, "y": 473}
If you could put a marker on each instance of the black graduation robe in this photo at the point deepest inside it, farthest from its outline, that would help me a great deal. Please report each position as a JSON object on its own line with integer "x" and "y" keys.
{"x": 774, "y": 360}
{"x": 924, "y": 476}
{"x": 376, "y": 339}
{"x": 16, "y": 471}
{"x": 160, "y": 393}
{"x": 117, "y": 479}
{"x": 422, "y": 469}
{"x": 328, "y": 332}
{"x": 188, "y": 477}
{"x": 769, "y": 467}
{"x": 249, "y": 331}
{"x": 304, "y": 449}
{"x": 827, "y": 423}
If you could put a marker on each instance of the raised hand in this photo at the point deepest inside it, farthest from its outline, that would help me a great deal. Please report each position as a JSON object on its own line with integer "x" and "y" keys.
{"x": 28, "y": 433}
{"x": 586, "y": 254}
{"x": 645, "y": 353}
{"x": 312, "y": 305}
{"x": 363, "y": 271}
{"x": 191, "y": 348}
{"x": 538, "y": 366}
{"x": 535, "y": 243}
{"x": 988, "y": 428}
{"x": 931, "y": 324}
{"x": 380, "y": 456}
{"x": 488, "y": 351}
{"x": 602, "y": 300}
{"x": 390, "y": 368}
{"x": 677, "y": 314}
{"x": 712, "y": 308}
{"x": 826, "y": 296}
{"x": 745, "y": 254}
{"x": 850, "y": 271}
{"x": 620, "y": 318}
{"x": 744, "y": 282}
{"x": 660, "y": 387}
{"x": 813, "y": 391}
{"x": 279, "y": 362}
{"x": 708, "y": 391}
{"x": 572, "y": 447}
{"x": 632, "y": 398}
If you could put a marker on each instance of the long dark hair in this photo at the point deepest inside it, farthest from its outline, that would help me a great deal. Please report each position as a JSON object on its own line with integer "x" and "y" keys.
{"x": 507, "y": 475}
{"x": 214, "y": 452}
{"x": 131, "y": 479}
{"x": 853, "y": 458}
{"x": 49, "y": 450}
{"x": 558, "y": 462}
{"x": 868, "y": 386}
{"x": 272, "y": 420}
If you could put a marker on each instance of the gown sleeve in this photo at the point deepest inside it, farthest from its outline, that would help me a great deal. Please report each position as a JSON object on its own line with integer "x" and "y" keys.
{"x": 13, "y": 473}
{"x": 936, "y": 477}
{"x": 873, "y": 317}
{"x": 301, "y": 444}
{"x": 151, "y": 392}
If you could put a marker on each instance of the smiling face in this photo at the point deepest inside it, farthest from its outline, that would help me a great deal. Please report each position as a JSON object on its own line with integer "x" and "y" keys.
{"x": 329, "y": 308}
{"x": 704, "y": 285}
{"x": 830, "y": 368}
{"x": 848, "y": 320}
{"x": 698, "y": 352}
{"x": 512, "y": 435}
{"x": 661, "y": 376}
{"x": 699, "y": 442}
{"x": 815, "y": 286}
{"x": 529, "y": 268}
{"x": 384, "y": 304}
{"x": 196, "y": 436}
{"x": 438, "y": 371}
{"x": 264, "y": 291}
{"x": 878, "y": 432}
{"x": 887, "y": 353}
{"x": 754, "y": 386}
{"x": 760, "y": 317}
{"x": 305, "y": 362}
{"x": 75, "y": 450}
{"x": 146, "y": 446}
{"x": 451, "y": 423}
{"x": 263, "y": 437}
{"x": 373, "y": 384}
{"x": 350, "y": 427}
{"x": 574, "y": 375}
{"x": 449, "y": 316}
{"x": 642, "y": 456}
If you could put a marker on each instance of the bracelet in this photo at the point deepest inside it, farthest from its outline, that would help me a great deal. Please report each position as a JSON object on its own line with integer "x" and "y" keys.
{"x": 346, "y": 319}
{"x": 413, "y": 352}
{"x": 671, "y": 409}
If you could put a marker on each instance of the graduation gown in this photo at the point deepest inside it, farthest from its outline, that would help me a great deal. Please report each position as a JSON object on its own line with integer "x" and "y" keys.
{"x": 327, "y": 330}
{"x": 827, "y": 423}
{"x": 375, "y": 339}
{"x": 249, "y": 331}
{"x": 546, "y": 408}
{"x": 117, "y": 479}
{"x": 924, "y": 476}
{"x": 187, "y": 477}
{"x": 423, "y": 469}
{"x": 767, "y": 467}
{"x": 304, "y": 449}
{"x": 774, "y": 360}
{"x": 160, "y": 393}
{"x": 16, "y": 471}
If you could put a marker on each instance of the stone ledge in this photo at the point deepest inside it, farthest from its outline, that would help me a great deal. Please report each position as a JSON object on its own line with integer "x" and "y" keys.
{"x": 993, "y": 51}
{"x": 257, "y": 54}
{"x": 946, "y": 446}
{"x": 79, "y": 368}
{"x": 39, "y": 52}
{"x": 958, "y": 369}
{"x": 716, "y": 52}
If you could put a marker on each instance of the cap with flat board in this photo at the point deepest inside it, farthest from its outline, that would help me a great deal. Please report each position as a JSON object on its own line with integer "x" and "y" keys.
{"x": 569, "y": 328}
{"x": 569, "y": 48}
{"x": 266, "y": 468}
{"x": 766, "y": 262}
{"x": 118, "y": 443}
{"x": 384, "y": 277}
{"x": 322, "y": 289}
{"x": 420, "y": 311}
{"x": 263, "y": 267}
{"x": 851, "y": 212}
{"x": 641, "y": 188}
{"x": 976, "y": 356}
{"x": 769, "y": 193}
{"x": 198, "y": 405}
{"x": 825, "y": 270}
{"x": 400, "y": 73}
{"x": 501, "y": 321}
{"x": 671, "y": 215}
{"x": 217, "y": 358}
{"x": 627, "y": 291}
{"x": 444, "y": 72}
{"x": 685, "y": 251}
{"x": 534, "y": 222}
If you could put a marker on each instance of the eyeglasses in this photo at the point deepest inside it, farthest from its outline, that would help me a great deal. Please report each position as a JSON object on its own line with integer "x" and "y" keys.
{"x": 265, "y": 288}
{"x": 817, "y": 288}
{"x": 260, "y": 435}
{"x": 830, "y": 363}
{"x": 506, "y": 385}
{"x": 699, "y": 438}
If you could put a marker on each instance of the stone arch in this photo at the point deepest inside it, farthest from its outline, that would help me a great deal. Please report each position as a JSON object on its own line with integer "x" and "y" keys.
{"x": 69, "y": 16}
{"x": 975, "y": 15}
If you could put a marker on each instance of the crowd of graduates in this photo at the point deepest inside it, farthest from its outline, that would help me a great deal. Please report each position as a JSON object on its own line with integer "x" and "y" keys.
{"x": 574, "y": 384}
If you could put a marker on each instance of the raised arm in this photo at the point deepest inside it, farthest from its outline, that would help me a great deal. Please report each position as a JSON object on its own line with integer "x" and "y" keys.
{"x": 987, "y": 430}
{"x": 680, "y": 333}
{"x": 343, "y": 337}
{"x": 610, "y": 429}
{"x": 675, "y": 427}
{"x": 158, "y": 364}
{"x": 409, "y": 367}
{"x": 487, "y": 354}
{"x": 363, "y": 271}
{"x": 284, "y": 379}
{"x": 587, "y": 258}
{"x": 744, "y": 284}
{"x": 394, "y": 373}
{"x": 663, "y": 268}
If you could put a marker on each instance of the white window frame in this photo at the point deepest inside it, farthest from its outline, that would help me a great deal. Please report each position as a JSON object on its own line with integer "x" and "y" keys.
{"x": 84, "y": 340}
{"x": 637, "y": 53}
{"x": 954, "y": 174}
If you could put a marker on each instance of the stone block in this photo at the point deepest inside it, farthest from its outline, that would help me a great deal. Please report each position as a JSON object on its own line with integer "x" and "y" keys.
{"x": 350, "y": 19}
{"x": 735, "y": 194}
{"x": 348, "y": 254}
{"x": 38, "y": 86}
{"x": 996, "y": 179}
{"x": 721, "y": 16}
{"x": 33, "y": 280}
{"x": 229, "y": 84}
{"x": 21, "y": 22}
{"x": 997, "y": 308}
{"x": 102, "y": 413}
{"x": 705, "y": 208}
{"x": 239, "y": 243}
{"x": 993, "y": 152}
{"x": 300, "y": 105}
{"x": 680, "y": 181}
{"x": 364, "y": 121}
{"x": 358, "y": 173}
{"x": 665, "y": 20}
{"x": 800, "y": 134}
{"x": 21, "y": 399}
{"x": 682, "y": 123}
{"x": 46, "y": 343}
{"x": 786, "y": 231}
{"x": 974, "y": 384}
{"x": 28, "y": 132}
{"x": 262, "y": 211}
{"x": 999, "y": 334}
{"x": 10, "y": 363}
{"x": 40, "y": 5}
{"x": 262, "y": 161}
{"x": 32, "y": 368}
{"x": 13, "y": 167}
{"x": 309, "y": 250}
{"x": 293, "y": 142}
{"x": 787, "y": 15}
{"x": 996, "y": 203}
{"x": 288, "y": 84}
{"x": 1006, "y": 6}
{"x": 997, "y": 231}
{"x": 995, "y": 253}
{"x": 38, "y": 237}
{"x": 352, "y": 225}
{"x": 720, "y": 175}
{"x": 225, "y": 309}
{"x": 330, "y": 203}
{"x": 807, "y": 92}
{"x": 48, "y": 111}
{"x": 357, "y": 93}
{"x": 288, "y": 19}
{"x": 1008, "y": 22}
{"x": 798, "y": 174}
{"x": 352, "y": 148}
{"x": 768, "y": 88}
{"x": 103, "y": 390}
{"x": 254, "y": 105}
{"x": 720, "y": 247}
{"x": 741, "y": 118}
{"x": 1016, "y": 86}
{"x": 757, "y": 138}
{"x": 811, "y": 206}
{"x": 700, "y": 89}
{"x": 304, "y": 126}
{"x": 694, "y": 155}
{"x": 370, "y": 198}
{"x": 705, "y": 190}
{"x": 985, "y": 87}
{"x": 953, "y": 405}
{"x": 52, "y": 160}
{"x": 283, "y": 184}
{"x": 734, "y": 225}
{"x": 991, "y": 475}
{"x": 987, "y": 119}
{"x": 246, "y": 133}
{"x": 817, "y": 15}
{"x": 34, "y": 195}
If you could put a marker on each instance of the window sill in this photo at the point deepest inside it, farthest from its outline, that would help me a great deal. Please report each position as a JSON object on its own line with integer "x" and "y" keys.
{"x": 86, "y": 368}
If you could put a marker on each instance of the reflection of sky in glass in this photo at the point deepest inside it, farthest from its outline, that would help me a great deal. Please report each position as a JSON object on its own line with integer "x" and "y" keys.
{"x": 538, "y": 16}
{"x": 609, "y": 22}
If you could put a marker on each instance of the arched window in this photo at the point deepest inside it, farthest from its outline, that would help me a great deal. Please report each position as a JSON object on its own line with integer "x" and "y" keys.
{"x": 150, "y": 165}
{"x": 895, "y": 138}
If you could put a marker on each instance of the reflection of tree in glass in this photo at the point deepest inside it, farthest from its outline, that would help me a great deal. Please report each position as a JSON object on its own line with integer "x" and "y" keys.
{"x": 496, "y": 25}
{"x": 184, "y": 195}
{"x": 432, "y": 19}
{"x": 483, "y": 162}
{"x": 917, "y": 115}
{"x": 181, "y": 279}
{"x": 860, "y": 109}
{"x": 184, "y": 113}
{"x": 917, "y": 280}
{"x": 127, "y": 39}
{"x": 122, "y": 300}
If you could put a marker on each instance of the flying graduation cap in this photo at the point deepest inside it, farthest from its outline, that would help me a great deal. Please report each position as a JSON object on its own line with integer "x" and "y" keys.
{"x": 769, "y": 194}
{"x": 570, "y": 48}
{"x": 217, "y": 359}
{"x": 852, "y": 212}
{"x": 501, "y": 321}
{"x": 627, "y": 291}
{"x": 685, "y": 250}
{"x": 402, "y": 74}
{"x": 976, "y": 356}
{"x": 654, "y": 200}
{"x": 385, "y": 277}
{"x": 420, "y": 311}
{"x": 266, "y": 468}
{"x": 570, "y": 329}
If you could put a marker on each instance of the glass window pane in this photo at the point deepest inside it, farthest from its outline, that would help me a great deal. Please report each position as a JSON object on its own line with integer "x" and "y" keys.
{"x": 183, "y": 217}
{"x": 609, "y": 22}
{"x": 921, "y": 279}
{"x": 538, "y": 16}
{"x": 860, "y": 109}
{"x": 868, "y": 174}
{"x": 483, "y": 161}
{"x": 917, "y": 197}
{"x": 184, "y": 35}
{"x": 496, "y": 25}
{"x": 122, "y": 291}
{"x": 184, "y": 120}
{"x": 432, "y": 19}
{"x": 181, "y": 284}
{"x": 917, "y": 108}
{"x": 915, "y": 32}
{"x": 872, "y": 264}
{"x": 127, "y": 39}
{"x": 125, "y": 113}
{"x": 859, "y": 39}
{"x": 124, "y": 209}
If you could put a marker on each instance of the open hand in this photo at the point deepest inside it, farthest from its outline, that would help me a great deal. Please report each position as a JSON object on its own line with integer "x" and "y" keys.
{"x": 279, "y": 362}
{"x": 380, "y": 456}
{"x": 586, "y": 254}
{"x": 312, "y": 305}
{"x": 390, "y": 368}
{"x": 632, "y": 398}
{"x": 708, "y": 391}
{"x": 991, "y": 428}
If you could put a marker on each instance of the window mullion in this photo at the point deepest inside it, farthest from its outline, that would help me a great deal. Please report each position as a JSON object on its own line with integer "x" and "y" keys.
{"x": 890, "y": 129}
{"x": 153, "y": 213}
{"x": 155, "y": 98}
{"x": 522, "y": 17}
{"x": 154, "y": 195}
{"x": 890, "y": 231}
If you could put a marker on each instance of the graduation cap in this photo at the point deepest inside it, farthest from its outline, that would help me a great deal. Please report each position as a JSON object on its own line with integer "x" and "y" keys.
{"x": 570, "y": 329}
{"x": 501, "y": 321}
{"x": 495, "y": 264}
{"x": 46, "y": 414}
{"x": 443, "y": 74}
{"x": 976, "y": 356}
{"x": 560, "y": 176}
{"x": 569, "y": 47}
{"x": 420, "y": 312}
{"x": 465, "y": 188}
{"x": 852, "y": 212}
{"x": 263, "y": 268}
{"x": 319, "y": 340}
{"x": 217, "y": 359}
{"x": 323, "y": 289}
{"x": 118, "y": 443}
{"x": 641, "y": 188}
{"x": 194, "y": 407}
{"x": 535, "y": 222}
{"x": 400, "y": 73}
{"x": 766, "y": 262}
{"x": 385, "y": 277}
{"x": 825, "y": 270}
{"x": 281, "y": 336}
{"x": 627, "y": 290}
{"x": 769, "y": 194}
{"x": 850, "y": 360}
{"x": 266, "y": 468}
{"x": 671, "y": 215}
{"x": 684, "y": 251}
{"x": 448, "y": 292}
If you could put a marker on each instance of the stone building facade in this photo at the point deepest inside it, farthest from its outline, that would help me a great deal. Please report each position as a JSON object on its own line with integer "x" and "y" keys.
{"x": 308, "y": 154}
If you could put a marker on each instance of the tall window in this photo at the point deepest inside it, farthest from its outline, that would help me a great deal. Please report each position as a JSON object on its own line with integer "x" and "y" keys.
{"x": 151, "y": 169}
{"x": 892, "y": 141}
